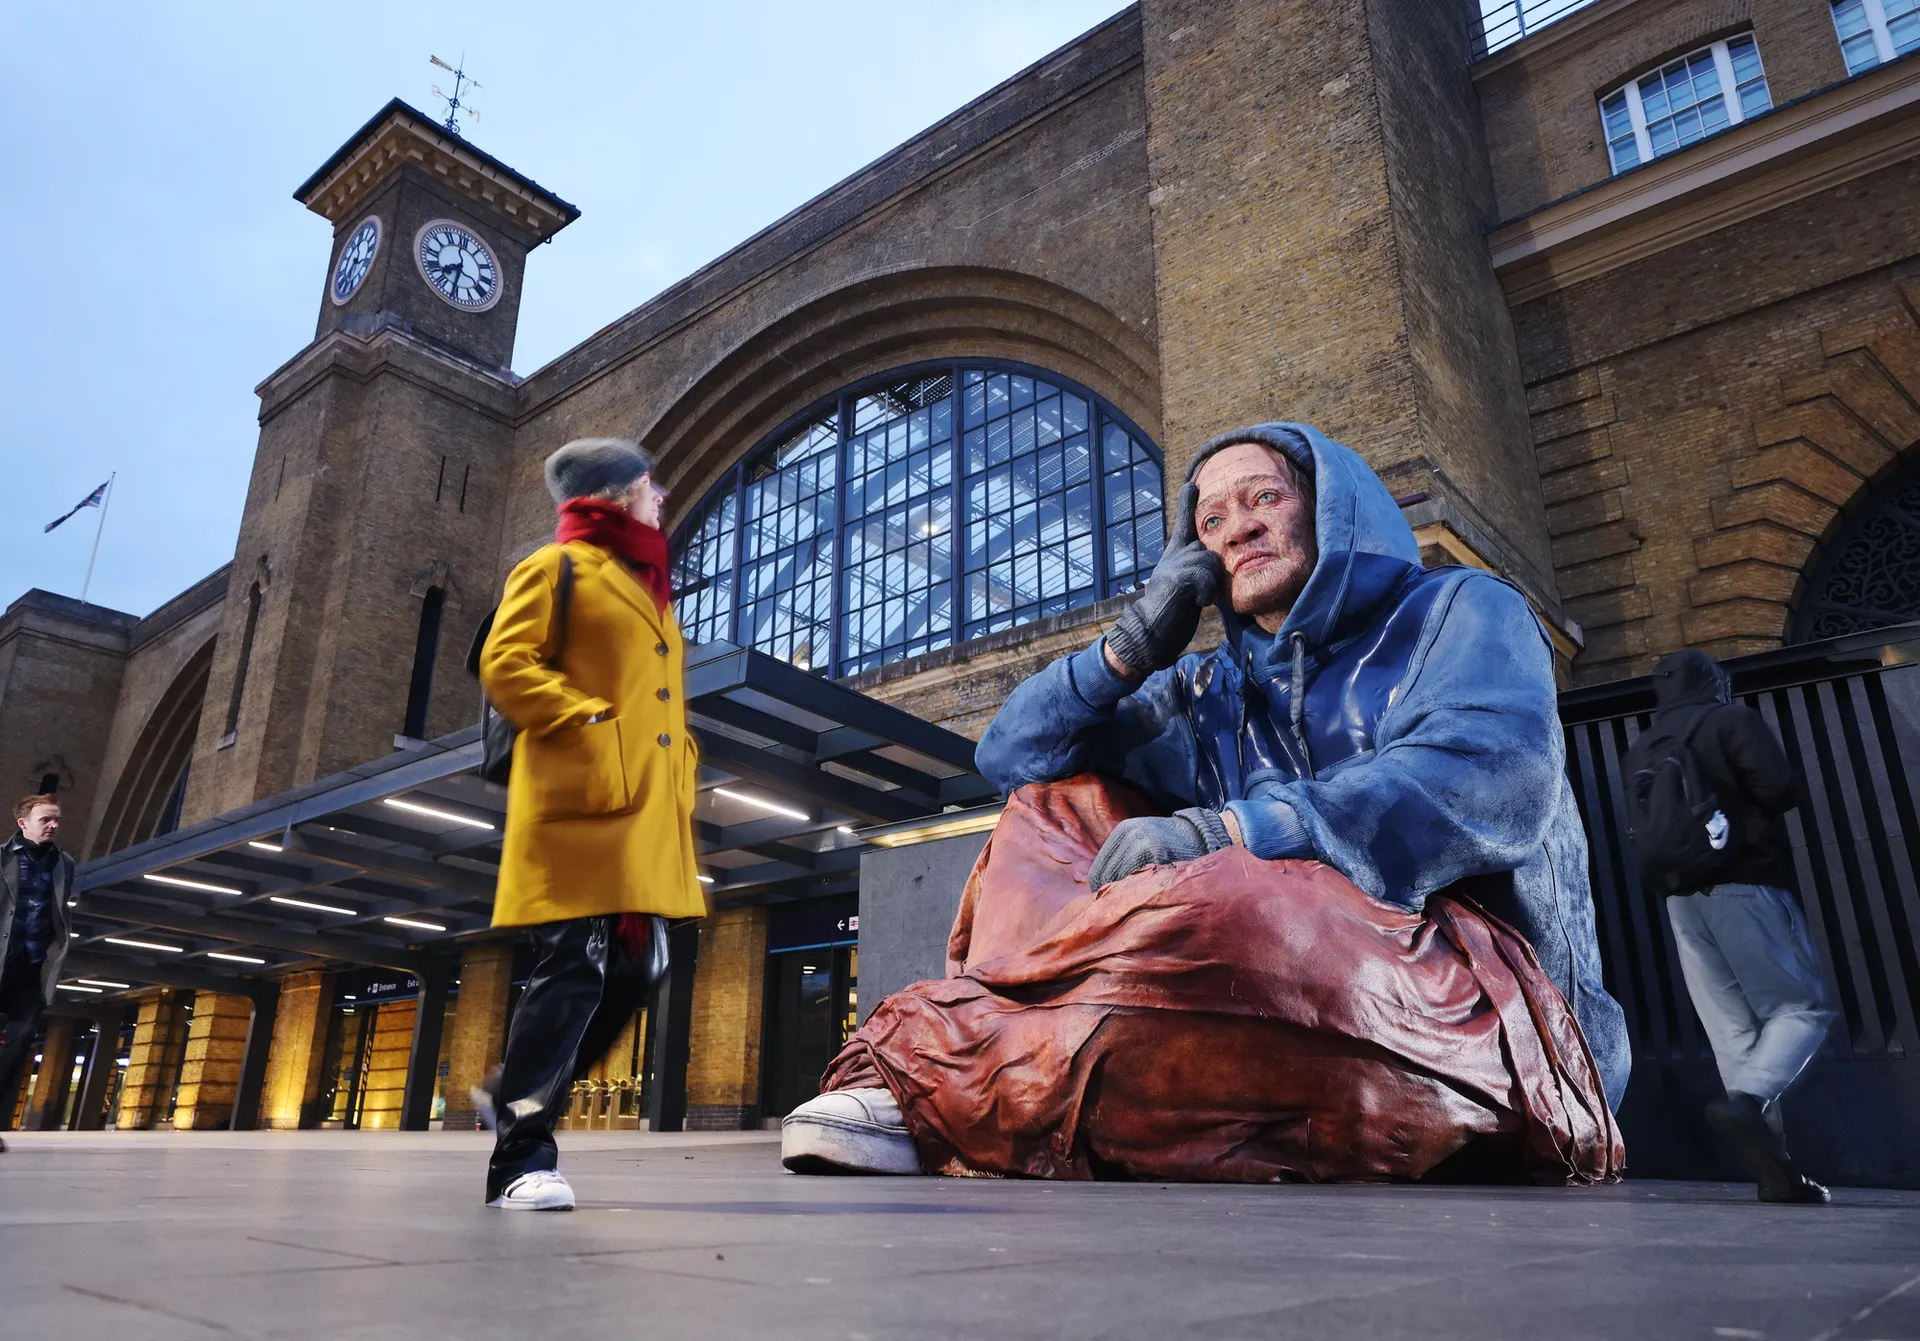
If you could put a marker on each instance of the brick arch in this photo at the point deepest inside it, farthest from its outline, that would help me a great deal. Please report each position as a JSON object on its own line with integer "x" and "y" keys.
{"x": 159, "y": 756}
{"x": 1841, "y": 429}
{"x": 889, "y": 321}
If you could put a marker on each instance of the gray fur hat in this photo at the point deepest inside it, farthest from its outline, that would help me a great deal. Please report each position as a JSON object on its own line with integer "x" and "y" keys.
{"x": 590, "y": 465}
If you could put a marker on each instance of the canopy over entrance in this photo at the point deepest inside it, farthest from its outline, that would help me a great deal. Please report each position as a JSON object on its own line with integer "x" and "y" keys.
{"x": 386, "y": 864}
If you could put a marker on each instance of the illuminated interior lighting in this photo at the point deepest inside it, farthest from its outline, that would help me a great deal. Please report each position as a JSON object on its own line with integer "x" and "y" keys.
{"x": 841, "y": 828}
{"x": 103, "y": 982}
{"x": 313, "y": 907}
{"x": 141, "y": 945}
{"x": 192, "y": 884}
{"x": 237, "y": 959}
{"x": 76, "y": 987}
{"x": 447, "y": 815}
{"x": 265, "y": 847}
{"x": 764, "y": 805}
{"x": 351, "y": 997}
{"x": 706, "y": 879}
{"x": 410, "y": 922}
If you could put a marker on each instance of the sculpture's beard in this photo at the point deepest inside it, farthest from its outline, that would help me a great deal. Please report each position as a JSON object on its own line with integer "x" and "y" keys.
{"x": 1265, "y": 585}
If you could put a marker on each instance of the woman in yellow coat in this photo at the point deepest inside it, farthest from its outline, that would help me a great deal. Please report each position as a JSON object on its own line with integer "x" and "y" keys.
{"x": 586, "y": 660}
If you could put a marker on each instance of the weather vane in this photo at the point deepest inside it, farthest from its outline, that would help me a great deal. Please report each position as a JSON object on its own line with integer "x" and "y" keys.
{"x": 461, "y": 84}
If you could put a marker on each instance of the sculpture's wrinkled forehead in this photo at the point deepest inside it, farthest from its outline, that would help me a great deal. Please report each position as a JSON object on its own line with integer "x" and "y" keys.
{"x": 1233, "y": 465}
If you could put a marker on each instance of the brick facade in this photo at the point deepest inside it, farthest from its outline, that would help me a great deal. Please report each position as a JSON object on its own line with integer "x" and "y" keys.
{"x": 1651, "y": 400}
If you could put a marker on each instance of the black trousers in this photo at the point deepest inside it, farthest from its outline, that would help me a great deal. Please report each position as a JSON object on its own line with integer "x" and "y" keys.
{"x": 584, "y": 989}
{"x": 21, "y": 1011}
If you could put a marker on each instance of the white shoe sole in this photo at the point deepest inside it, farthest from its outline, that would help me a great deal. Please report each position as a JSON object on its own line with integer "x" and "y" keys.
{"x": 550, "y": 1201}
{"x": 812, "y": 1144}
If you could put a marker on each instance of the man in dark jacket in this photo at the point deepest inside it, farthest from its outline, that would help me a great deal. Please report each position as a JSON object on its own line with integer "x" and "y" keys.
{"x": 1750, "y": 965}
{"x": 36, "y": 880}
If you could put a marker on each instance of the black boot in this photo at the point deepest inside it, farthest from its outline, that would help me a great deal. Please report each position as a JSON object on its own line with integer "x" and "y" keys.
{"x": 1742, "y": 1119}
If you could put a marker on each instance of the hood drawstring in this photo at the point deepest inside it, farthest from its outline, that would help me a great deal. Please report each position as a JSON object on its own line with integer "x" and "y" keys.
{"x": 1297, "y": 697}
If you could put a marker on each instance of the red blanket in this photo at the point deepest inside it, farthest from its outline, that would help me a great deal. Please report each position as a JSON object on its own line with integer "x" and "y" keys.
{"x": 1226, "y": 1020}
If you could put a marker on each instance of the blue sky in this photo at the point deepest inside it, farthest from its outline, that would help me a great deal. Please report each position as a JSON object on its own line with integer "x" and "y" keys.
{"x": 158, "y": 267}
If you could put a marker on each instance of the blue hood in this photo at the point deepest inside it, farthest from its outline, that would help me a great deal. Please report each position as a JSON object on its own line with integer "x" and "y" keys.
{"x": 1367, "y": 549}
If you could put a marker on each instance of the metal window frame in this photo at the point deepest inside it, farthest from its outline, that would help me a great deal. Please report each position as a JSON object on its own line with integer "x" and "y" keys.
{"x": 840, "y": 405}
{"x": 1729, "y": 97}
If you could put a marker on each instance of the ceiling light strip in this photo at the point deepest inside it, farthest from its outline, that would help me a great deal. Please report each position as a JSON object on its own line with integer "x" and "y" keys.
{"x": 770, "y": 806}
{"x": 192, "y": 884}
{"x": 447, "y": 815}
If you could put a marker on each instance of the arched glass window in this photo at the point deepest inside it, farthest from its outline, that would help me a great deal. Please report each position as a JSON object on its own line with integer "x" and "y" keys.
{"x": 920, "y": 509}
{"x": 1870, "y": 575}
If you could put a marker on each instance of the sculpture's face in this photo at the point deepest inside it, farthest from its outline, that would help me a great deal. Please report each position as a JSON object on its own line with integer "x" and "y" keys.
{"x": 1256, "y": 513}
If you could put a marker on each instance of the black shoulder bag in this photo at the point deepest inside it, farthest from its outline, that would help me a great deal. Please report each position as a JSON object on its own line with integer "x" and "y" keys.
{"x": 496, "y": 732}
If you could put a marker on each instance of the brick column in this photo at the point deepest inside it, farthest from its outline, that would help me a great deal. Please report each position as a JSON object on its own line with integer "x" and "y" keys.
{"x": 53, "y": 1083}
{"x": 477, "y": 1035}
{"x": 387, "y": 1066}
{"x": 723, "y": 1071}
{"x": 299, "y": 1045}
{"x": 210, "y": 1070}
{"x": 1320, "y": 194}
{"x": 153, "y": 1063}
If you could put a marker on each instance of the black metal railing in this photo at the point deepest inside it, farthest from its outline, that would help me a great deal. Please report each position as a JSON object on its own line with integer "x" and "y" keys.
{"x": 1504, "y": 22}
{"x": 1848, "y": 712}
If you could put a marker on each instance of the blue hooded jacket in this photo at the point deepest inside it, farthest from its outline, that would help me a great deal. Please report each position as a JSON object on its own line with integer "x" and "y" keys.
{"x": 1401, "y": 727}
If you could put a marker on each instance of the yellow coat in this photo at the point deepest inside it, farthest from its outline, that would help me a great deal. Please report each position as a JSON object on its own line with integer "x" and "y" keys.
{"x": 599, "y": 814}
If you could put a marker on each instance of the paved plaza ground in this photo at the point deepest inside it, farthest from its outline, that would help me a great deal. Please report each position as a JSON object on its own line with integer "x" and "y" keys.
{"x": 382, "y": 1235}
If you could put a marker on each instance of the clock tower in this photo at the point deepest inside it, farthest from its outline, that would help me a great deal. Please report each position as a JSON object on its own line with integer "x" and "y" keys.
{"x": 370, "y": 542}
{"x": 429, "y": 233}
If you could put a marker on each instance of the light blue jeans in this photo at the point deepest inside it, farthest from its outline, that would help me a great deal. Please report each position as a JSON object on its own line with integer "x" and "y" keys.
{"x": 1755, "y": 981}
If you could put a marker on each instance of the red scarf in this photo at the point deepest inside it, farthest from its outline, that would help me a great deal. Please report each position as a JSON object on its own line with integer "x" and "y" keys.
{"x": 612, "y": 528}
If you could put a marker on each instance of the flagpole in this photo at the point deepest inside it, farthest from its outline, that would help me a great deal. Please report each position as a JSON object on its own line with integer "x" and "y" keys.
{"x": 101, "y": 526}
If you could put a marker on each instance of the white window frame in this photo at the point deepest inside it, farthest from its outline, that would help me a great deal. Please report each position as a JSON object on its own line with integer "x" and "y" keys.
{"x": 1729, "y": 96}
{"x": 1876, "y": 24}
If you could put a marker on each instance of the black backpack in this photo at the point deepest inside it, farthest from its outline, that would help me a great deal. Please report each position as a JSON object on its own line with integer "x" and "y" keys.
{"x": 1669, "y": 808}
{"x": 496, "y": 732}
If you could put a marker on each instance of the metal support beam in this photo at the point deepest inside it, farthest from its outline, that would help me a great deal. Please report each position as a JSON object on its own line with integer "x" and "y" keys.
{"x": 415, "y": 870}
{"x": 253, "y": 1061}
{"x": 165, "y": 975}
{"x": 423, "y": 1058}
{"x": 239, "y": 931}
{"x": 672, "y": 1009}
{"x": 90, "y": 1113}
{"x": 782, "y": 775}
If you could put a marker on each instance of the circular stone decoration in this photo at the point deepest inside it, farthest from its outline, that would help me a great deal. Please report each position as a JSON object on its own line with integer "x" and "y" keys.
{"x": 457, "y": 265}
{"x": 356, "y": 259}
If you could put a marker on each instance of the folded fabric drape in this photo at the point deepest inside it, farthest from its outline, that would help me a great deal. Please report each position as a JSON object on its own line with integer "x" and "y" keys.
{"x": 1226, "y": 1020}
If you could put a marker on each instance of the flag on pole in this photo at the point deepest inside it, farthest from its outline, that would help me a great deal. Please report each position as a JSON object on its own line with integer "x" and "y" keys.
{"x": 92, "y": 500}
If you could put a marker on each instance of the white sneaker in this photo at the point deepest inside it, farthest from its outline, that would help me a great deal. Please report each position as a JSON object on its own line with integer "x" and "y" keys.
{"x": 848, "y": 1131}
{"x": 542, "y": 1191}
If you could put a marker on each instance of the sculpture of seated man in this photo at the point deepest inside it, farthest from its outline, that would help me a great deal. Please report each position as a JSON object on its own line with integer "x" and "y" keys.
{"x": 1312, "y": 905}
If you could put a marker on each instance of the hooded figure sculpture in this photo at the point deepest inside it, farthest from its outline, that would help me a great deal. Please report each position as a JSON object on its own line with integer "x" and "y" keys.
{"x": 1396, "y": 725}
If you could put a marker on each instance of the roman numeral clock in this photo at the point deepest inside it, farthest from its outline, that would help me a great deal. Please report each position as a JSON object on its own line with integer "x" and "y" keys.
{"x": 457, "y": 265}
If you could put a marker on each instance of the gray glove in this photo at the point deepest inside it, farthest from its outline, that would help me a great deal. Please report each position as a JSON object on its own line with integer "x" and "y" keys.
{"x": 1158, "y": 841}
{"x": 1152, "y": 632}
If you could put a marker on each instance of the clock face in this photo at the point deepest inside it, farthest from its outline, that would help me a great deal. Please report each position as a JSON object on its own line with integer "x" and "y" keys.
{"x": 356, "y": 258}
{"x": 458, "y": 265}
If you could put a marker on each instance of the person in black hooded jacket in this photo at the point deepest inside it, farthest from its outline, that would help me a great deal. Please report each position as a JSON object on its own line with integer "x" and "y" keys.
{"x": 1749, "y": 962}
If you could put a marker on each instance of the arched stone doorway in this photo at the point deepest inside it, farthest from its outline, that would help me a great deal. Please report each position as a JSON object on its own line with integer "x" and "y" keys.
{"x": 1868, "y": 573}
